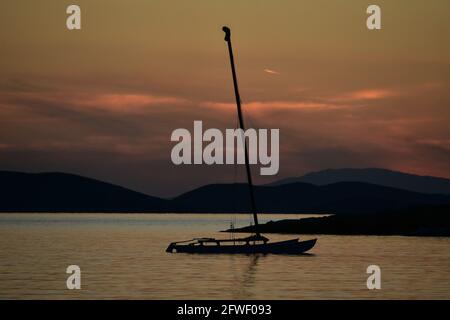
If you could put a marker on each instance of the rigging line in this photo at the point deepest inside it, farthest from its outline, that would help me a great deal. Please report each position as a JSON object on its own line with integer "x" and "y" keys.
{"x": 236, "y": 182}
{"x": 235, "y": 209}
{"x": 250, "y": 120}
{"x": 251, "y": 125}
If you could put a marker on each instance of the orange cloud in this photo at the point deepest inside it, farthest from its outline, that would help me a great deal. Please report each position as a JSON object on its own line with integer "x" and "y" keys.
{"x": 295, "y": 105}
{"x": 442, "y": 143}
{"x": 270, "y": 71}
{"x": 368, "y": 94}
{"x": 125, "y": 102}
{"x": 318, "y": 103}
{"x": 110, "y": 102}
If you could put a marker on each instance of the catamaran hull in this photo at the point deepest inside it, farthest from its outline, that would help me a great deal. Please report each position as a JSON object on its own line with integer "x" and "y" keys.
{"x": 293, "y": 246}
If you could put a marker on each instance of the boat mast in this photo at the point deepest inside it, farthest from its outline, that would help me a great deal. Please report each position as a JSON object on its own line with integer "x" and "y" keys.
{"x": 241, "y": 125}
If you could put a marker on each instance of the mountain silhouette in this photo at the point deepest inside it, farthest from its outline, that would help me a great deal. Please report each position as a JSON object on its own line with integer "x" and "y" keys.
{"x": 383, "y": 177}
{"x": 62, "y": 192}
{"x": 337, "y": 198}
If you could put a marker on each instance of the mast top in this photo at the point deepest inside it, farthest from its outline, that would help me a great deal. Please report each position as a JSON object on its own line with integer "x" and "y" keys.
{"x": 227, "y": 33}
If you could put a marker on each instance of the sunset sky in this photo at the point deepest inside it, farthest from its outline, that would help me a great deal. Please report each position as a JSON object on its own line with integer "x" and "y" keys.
{"x": 102, "y": 101}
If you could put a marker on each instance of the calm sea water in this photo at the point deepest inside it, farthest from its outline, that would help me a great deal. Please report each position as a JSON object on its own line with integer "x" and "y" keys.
{"x": 123, "y": 256}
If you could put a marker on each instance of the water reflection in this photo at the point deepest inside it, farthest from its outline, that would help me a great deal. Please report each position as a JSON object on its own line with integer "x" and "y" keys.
{"x": 245, "y": 281}
{"x": 123, "y": 256}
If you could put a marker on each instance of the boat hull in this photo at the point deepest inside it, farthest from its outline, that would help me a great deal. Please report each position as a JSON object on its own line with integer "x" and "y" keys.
{"x": 293, "y": 246}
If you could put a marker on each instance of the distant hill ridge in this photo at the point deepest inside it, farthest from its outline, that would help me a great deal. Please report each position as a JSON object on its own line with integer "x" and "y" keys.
{"x": 62, "y": 192}
{"x": 382, "y": 177}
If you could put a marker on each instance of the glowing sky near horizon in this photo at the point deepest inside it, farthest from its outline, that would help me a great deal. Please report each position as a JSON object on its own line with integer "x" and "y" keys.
{"x": 103, "y": 101}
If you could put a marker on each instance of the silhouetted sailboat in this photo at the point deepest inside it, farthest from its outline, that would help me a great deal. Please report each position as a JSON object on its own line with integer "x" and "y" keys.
{"x": 255, "y": 243}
